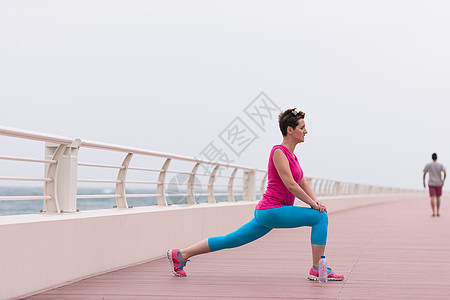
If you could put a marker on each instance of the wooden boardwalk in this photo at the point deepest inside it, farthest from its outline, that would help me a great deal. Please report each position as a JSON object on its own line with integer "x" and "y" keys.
{"x": 394, "y": 250}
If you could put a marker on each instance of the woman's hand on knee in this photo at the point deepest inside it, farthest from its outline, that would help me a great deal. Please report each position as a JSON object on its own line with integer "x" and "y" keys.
{"x": 320, "y": 207}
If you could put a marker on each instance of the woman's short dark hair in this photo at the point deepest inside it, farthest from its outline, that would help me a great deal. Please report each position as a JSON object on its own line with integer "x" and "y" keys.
{"x": 290, "y": 118}
{"x": 434, "y": 156}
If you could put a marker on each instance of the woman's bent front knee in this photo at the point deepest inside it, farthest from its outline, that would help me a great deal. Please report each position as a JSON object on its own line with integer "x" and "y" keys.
{"x": 323, "y": 218}
{"x": 319, "y": 230}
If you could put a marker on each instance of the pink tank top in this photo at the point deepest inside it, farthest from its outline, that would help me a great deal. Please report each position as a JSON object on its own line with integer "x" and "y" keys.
{"x": 277, "y": 194}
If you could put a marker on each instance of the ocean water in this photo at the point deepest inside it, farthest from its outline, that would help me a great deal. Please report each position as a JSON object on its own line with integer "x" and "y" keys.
{"x": 20, "y": 207}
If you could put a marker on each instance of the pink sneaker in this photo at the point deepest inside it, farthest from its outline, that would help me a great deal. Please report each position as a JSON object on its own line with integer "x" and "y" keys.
{"x": 314, "y": 275}
{"x": 177, "y": 263}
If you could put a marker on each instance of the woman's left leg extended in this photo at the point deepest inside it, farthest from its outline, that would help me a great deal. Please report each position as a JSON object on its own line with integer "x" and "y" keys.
{"x": 245, "y": 234}
{"x": 295, "y": 216}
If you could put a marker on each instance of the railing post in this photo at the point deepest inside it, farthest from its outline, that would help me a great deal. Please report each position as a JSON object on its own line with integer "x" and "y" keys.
{"x": 121, "y": 201}
{"x": 190, "y": 186}
{"x": 63, "y": 187}
{"x": 348, "y": 188}
{"x": 249, "y": 186}
{"x": 212, "y": 178}
{"x": 337, "y": 188}
{"x": 161, "y": 186}
{"x": 319, "y": 193}
{"x": 356, "y": 189}
{"x": 331, "y": 188}
{"x": 344, "y": 188}
{"x": 313, "y": 185}
{"x": 363, "y": 188}
{"x": 327, "y": 188}
{"x": 230, "y": 186}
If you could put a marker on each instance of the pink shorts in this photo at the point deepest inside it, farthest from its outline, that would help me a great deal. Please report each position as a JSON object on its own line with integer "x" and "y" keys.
{"x": 435, "y": 191}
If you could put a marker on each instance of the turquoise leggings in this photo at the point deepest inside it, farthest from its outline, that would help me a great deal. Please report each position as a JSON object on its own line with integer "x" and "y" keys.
{"x": 267, "y": 219}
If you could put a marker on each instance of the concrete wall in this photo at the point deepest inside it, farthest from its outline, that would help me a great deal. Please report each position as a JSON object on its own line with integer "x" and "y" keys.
{"x": 44, "y": 250}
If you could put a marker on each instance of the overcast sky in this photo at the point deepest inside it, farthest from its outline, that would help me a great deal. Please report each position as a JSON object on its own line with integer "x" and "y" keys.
{"x": 372, "y": 76}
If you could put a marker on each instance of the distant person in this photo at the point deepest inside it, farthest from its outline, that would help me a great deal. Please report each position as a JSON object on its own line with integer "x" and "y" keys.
{"x": 275, "y": 209}
{"x": 435, "y": 182}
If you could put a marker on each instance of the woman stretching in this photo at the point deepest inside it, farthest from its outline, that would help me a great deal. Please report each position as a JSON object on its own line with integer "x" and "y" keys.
{"x": 275, "y": 209}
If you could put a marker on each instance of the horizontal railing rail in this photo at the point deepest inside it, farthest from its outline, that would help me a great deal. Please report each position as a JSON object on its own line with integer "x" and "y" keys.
{"x": 161, "y": 184}
{"x": 32, "y": 135}
{"x": 62, "y": 165}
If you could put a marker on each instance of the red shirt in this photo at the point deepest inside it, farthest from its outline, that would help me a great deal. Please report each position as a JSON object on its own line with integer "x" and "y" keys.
{"x": 277, "y": 194}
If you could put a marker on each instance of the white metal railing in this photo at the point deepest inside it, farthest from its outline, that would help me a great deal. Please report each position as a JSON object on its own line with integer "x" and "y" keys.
{"x": 50, "y": 187}
{"x": 161, "y": 195}
{"x": 61, "y": 176}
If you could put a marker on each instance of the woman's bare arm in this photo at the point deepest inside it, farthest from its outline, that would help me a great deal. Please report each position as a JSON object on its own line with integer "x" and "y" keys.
{"x": 305, "y": 186}
{"x": 282, "y": 165}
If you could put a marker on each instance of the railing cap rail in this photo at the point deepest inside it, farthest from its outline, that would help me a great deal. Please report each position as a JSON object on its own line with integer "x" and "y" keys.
{"x": 114, "y": 147}
{"x": 34, "y": 135}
